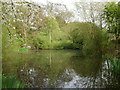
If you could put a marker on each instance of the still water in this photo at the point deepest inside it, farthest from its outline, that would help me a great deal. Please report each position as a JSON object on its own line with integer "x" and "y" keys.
{"x": 59, "y": 69}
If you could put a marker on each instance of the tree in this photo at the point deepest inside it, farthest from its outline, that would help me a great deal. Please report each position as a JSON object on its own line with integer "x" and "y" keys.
{"x": 21, "y": 19}
{"x": 56, "y": 10}
{"x": 112, "y": 18}
{"x": 91, "y": 12}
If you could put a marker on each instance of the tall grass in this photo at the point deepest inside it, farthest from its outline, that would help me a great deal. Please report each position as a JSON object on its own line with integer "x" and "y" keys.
{"x": 11, "y": 82}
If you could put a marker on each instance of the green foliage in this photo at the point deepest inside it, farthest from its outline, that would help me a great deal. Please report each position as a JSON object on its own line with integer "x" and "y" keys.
{"x": 106, "y": 44}
{"x": 85, "y": 36}
{"x": 115, "y": 64}
{"x": 27, "y": 24}
{"x": 9, "y": 41}
{"x": 40, "y": 40}
{"x": 23, "y": 50}
{"x": 49, "y": 32}
{"x": 49, "y": 37}
{"x": 17, "y": 21}
{"x": 111, "y": 16}
{"x": 11, "y": 82}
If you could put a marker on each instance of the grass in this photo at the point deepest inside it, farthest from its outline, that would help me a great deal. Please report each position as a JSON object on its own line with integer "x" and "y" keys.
{"x": 115, "y": 63}
{"x": 11, "y": 82}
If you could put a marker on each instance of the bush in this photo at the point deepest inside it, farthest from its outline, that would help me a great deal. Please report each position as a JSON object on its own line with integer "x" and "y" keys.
{"x": 85, "y": 36}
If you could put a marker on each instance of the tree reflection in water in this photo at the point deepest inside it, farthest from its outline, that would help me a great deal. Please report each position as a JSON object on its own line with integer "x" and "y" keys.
{"x": 66, "y": 70}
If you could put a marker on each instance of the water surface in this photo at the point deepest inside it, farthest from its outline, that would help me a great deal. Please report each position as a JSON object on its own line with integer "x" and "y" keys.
{"x": 59, "y": 69}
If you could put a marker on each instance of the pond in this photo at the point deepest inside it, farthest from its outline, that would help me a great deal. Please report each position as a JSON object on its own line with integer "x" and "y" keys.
{"x": 59, "y": 69}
